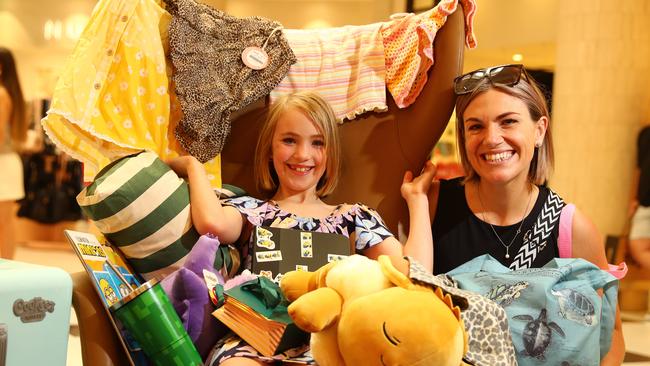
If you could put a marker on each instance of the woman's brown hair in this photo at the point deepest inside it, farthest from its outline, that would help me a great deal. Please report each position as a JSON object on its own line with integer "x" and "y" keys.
{"x": 9, "y": 80}
{"x": 528, "y": 92}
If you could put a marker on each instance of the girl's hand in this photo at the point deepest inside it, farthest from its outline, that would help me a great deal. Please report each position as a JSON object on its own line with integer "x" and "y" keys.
{"x": 420, "y": 185}
{"x": 181, "y": 164}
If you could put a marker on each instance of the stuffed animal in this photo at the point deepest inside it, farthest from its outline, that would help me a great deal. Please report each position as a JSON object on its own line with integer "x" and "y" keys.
{"x": 188, "y": 293}
{"x": 365, "y": 312}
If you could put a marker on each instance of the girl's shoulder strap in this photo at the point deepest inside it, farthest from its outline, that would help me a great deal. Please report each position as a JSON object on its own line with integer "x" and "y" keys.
{"x": 564, "y": 240}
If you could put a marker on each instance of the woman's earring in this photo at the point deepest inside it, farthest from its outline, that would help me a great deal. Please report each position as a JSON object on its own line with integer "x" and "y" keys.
{"x": 538, "y": 145}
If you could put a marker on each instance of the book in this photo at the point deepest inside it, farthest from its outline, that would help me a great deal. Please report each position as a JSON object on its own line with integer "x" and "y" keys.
{"x": 270, "y": 330}
{"x": 279, "y": 250}
{"x": 112, "y": 279}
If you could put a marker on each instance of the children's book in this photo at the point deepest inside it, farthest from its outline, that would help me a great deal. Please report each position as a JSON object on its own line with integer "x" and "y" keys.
{"x": 267, "y": 328}
{"x": 112, "y": 278}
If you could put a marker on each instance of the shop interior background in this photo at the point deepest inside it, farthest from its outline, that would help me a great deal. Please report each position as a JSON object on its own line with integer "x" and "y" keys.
{"x": 600, "y": 87}
{"x": 599, "y": 100}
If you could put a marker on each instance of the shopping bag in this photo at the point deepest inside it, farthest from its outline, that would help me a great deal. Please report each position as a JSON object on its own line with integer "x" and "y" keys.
{"x": 555, "y": 313}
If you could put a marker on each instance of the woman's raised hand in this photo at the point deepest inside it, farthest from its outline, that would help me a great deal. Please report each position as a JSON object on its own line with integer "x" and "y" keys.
{"x": 412, "y": 187}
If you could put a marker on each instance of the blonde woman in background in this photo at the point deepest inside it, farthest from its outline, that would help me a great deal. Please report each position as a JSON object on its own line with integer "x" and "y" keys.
{"x": 13, "y": 129}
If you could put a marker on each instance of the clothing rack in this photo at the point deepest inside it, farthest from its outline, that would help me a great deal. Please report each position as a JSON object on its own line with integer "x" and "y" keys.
{"x": 52, "y": 181}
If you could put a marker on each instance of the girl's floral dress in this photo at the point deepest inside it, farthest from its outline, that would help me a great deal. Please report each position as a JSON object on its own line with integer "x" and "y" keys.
{"x": 362, "y": 222}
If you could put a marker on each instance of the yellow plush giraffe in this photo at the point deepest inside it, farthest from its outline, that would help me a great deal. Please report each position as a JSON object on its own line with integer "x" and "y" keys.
{"x": 366, "y": 312}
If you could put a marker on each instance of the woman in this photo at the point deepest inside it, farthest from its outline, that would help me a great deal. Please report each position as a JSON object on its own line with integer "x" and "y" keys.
{"x": 297, "y": 164}
{"x": 504, "y": 138}
{"x": 639, "y": 210}
{"x": 13, "y": 130}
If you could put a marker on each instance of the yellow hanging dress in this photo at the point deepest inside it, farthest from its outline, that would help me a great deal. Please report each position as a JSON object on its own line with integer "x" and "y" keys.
{"x": 114, "y": 96}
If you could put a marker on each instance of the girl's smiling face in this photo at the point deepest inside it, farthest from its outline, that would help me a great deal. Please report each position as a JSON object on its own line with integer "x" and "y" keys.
{"x": 298, "y": 153}
{"x": 500, "y": 136}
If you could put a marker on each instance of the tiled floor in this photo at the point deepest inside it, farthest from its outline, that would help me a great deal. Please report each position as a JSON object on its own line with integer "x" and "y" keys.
{"x": 636, "y": 327}
{"x": 637, "y": 342}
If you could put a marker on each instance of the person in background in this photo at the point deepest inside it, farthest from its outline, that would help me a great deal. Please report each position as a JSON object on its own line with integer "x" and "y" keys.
{"x": 297, "y": 164}
{"x": 504, "y": 138}
{"x": 13, "y": 131}
{"x": 639, "y": 209}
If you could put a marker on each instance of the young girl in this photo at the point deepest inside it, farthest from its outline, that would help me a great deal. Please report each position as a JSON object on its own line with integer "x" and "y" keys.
{"x": 297, "y": 164}
{"x": 504, "y": 138}
{"x": 13, "y": 130}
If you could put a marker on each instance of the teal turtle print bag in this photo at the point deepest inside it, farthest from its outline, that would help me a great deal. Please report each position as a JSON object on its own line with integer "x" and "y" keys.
{"x": 555, "y": 313}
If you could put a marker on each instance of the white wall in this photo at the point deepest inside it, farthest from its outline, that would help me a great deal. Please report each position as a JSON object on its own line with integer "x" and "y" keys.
{"x": 21, "y": 30}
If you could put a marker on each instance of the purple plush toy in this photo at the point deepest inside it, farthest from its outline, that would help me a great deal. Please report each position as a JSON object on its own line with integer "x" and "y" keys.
{"x": 189, "y": 295}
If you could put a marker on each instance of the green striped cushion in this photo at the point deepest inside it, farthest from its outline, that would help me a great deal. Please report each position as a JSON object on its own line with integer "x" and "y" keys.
{"x": 142, "y": 207}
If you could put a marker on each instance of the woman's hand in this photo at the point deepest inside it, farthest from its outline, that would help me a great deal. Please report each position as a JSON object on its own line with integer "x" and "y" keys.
{"x": 419, "y": 244}
{"x": 181, "y": 164}
{"x": 412, "y": 188}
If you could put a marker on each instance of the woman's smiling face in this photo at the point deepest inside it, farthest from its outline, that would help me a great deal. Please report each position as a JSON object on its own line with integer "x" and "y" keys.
{"x": 500, "y": 136}
{"x": 298, "y": 152}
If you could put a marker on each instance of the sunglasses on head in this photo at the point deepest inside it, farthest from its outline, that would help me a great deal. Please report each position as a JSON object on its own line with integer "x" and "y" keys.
{"x": 507, "y": 75}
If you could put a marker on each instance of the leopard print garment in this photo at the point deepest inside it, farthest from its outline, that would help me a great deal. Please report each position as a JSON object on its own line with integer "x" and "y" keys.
{"x": 490, "y": 342}
{"x": 211, "y": 80}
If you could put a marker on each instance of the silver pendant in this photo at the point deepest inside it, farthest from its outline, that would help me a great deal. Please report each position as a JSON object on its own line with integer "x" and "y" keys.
{"x": 507, "y": 255}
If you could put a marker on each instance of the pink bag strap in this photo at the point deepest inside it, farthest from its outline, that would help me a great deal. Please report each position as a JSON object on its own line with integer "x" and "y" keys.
{"x": 618, "y": 271}
{"x": 564, "y": 240}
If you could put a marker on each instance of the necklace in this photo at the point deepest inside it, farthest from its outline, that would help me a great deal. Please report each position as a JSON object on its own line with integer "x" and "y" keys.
{"x": 492, "y": 227}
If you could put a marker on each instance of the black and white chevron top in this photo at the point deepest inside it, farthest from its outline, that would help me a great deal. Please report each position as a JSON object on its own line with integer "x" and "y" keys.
{"x": 460, "y": 236}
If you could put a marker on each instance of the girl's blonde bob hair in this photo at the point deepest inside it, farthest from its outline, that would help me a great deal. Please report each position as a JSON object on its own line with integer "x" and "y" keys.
{"x": 321, "y": 114}
{"x": 528, "y": 92}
